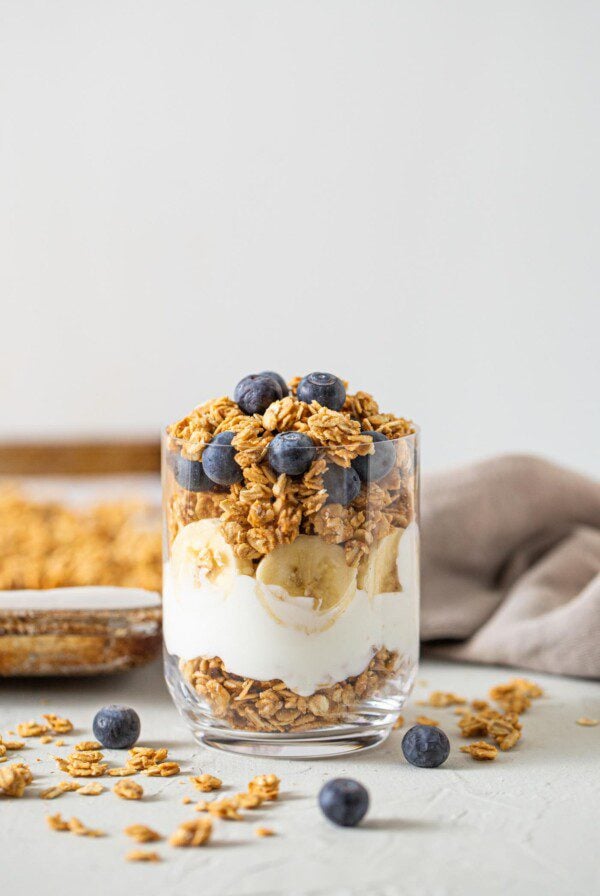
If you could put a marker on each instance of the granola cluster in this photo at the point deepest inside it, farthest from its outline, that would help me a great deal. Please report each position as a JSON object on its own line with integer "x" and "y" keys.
{"x": 264, "y": 509}
{"x": 271, "y": 706}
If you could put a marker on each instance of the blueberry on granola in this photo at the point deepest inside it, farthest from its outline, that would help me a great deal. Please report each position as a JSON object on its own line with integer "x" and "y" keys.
{"x": 219, "y": 460}
{"x": 344, "y": 801}
{"x": 278, "y": 379}
{"x": 291, "y": 453}
{"x": 116, "y": 727}
{"x": 425, "y": 746}
{"x": 190, "y": 475}
{"x": 373, "y": 467}
{"x": 256, "y": 392}
{"x": 325, "y": 388}
{"x": 341, "y": 484}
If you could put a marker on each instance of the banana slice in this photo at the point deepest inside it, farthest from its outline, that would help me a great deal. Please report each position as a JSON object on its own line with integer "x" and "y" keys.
{"x": 378, "y": 572}
{"x": 306, "y": 584}
{"x": 200, "y": 554}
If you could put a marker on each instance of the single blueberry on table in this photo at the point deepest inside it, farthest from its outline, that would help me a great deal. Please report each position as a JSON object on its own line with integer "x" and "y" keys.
{"x": 190, "y": 475}
{"x": 116, "y": 727}
{"x": 256, "y": 392}
{"x": 375, "y": 466}
{"x": 278, "y": 379}
{"x": 219, "y": 460}
{"x": 344, "y": 801}
{"x": 291, "y": 453}
{"x": 341, "y": 484}
{"x": 425, "y": 746}
{"x": 325, "y": 388}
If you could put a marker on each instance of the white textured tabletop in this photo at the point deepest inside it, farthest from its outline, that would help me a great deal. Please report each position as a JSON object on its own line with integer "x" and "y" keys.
{"x": 526, "y": 823}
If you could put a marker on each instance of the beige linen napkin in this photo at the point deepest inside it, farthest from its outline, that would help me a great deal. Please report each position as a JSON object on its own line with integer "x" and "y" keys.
{"x": 511, "y": 566}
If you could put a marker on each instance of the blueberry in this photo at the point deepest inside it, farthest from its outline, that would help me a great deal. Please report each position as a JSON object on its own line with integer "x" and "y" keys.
{"x": 425, "y": 746}
{"x": 291, "y": 453}
{"x": 278, "y": 379}
{"x": 341, "y": 484}
{"x": 116, "y": 727}
{"x": 375, "y": 466}
{"x": 256, "y": 392}
{"x": 190, "y": 475}
{"x": 219, "y": 460}
{"x": 344, "y": 801}
{"x": 325, "y": 388}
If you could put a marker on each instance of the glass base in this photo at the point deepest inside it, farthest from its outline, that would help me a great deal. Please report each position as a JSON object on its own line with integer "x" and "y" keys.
{"x": 310, "y": 745}
{"x": 369, "y": 726}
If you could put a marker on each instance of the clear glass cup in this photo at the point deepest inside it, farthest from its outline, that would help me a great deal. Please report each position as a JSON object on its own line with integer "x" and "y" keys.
{"x": 291, "y": 626}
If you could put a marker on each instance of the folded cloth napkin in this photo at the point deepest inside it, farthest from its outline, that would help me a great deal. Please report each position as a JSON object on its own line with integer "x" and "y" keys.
{"x": 511, "y": 566}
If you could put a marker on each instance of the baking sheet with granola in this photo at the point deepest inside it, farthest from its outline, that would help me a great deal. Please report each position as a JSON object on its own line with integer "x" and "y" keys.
{"x": 80, "y": 574}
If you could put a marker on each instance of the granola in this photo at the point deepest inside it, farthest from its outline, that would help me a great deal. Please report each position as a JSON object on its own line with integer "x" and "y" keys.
{"x": 192, "y": 833}
{"x": 480, "y": 750}
{"x": 141, "y": 833}
{"x": 143, "y": 855}
{"x": 128, "y": 790}
{"x": 263, "y": 511}
{"x": 271, "y": 706}
{"x": 205, "y": 783}
{"x": 14, "y": 779}
{"x": 48, "y": 545}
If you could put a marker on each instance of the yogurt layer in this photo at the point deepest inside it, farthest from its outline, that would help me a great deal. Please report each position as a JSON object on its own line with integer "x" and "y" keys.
{"x": 240, "y": 628}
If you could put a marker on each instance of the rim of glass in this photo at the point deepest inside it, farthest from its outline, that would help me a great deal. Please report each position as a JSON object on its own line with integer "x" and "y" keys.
{"x": 166, "y": 437}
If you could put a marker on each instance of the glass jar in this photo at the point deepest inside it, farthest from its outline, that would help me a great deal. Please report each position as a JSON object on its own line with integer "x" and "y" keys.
{"x": 290, "y": 612}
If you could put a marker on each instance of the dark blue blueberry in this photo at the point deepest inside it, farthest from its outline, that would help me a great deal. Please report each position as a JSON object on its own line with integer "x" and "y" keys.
{"x": 341, "y": 484}
{"x": 256, "y": 392}
{"x": 375, "y": 466}
{"x": 291, "y": 453}
{"x": 325, "y": 388}
{"x": 190, "y": 475}
{"x": 344, "y": 801}
{"x": 219, "y": 460}
{"x": 425, "y": 746}
{"x": 278, "y": 379}
{"x": 116, "y": 727}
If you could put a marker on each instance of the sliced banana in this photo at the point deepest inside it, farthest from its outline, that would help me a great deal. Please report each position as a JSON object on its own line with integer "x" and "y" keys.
{"x": 306, "y": 584}
{"x": 378, "y": 572}
{"x": 200, "y": 554}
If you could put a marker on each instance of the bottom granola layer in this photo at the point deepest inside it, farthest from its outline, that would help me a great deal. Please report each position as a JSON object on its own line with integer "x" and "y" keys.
{"x": 271, "y": 706}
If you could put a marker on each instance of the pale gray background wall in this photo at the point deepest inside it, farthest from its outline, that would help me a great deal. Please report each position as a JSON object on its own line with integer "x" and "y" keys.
{"x": 405, "y": 193}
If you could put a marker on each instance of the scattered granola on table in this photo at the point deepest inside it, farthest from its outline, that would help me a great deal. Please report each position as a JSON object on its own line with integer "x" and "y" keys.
{"x": 441, "y": 699}
{"x": 192, "y": 833}
{"x": 94, "y": 789}
{"x": 14, "y": 779}
{"x": 143, "y": 855}
{"x": 74, "y": 825}
{"x": 205, "y": 783}
{"x": 425, "y": 720}
{"x": 480, "y": 750}
{"x": 141, "y": 833}
{"x": 128, "y": 790}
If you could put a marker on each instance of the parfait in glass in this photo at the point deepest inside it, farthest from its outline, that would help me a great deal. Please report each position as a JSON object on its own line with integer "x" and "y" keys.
{"x": 291, "y": 578}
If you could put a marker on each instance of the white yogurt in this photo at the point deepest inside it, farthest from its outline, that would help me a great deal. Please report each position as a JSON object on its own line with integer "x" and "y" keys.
{"x": 239, "y": 628}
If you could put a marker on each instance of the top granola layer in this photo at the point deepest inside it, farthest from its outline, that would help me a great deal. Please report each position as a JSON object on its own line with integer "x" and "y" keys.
{"x": 263, "y": 503}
